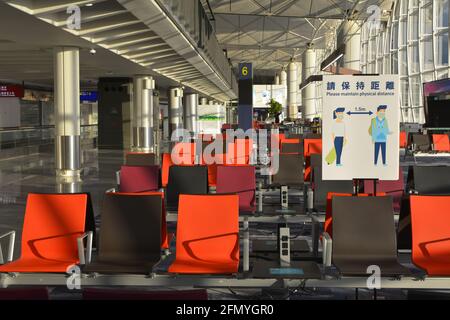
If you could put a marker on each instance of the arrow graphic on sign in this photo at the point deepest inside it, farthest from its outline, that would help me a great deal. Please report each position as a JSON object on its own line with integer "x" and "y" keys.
{"x": 369, "y": 113}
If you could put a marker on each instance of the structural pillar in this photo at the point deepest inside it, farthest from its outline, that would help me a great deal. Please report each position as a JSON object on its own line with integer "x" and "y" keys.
{"x": 175, "y": 109}
{"x": 142, "y": 115}
{"x": 203, "y": 101}
{"x": 309, "y": 93}
{"x": 292, "y": 90}
{"x": 350, "y": 34}
{"x": 190, "y": 112}
{"x": 283, "y": 82}
{"x": 67, "y": 111}
{"x": 277, "y": 79}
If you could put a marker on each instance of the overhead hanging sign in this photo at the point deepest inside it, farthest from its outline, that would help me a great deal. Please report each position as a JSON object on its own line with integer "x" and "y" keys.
{"x": 361, "y": 127}
{"x": 11, "y": 91}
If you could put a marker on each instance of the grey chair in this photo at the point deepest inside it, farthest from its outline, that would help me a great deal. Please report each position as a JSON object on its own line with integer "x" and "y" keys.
{"x": 364, "y": 235}
{"x": 130, "y": 237}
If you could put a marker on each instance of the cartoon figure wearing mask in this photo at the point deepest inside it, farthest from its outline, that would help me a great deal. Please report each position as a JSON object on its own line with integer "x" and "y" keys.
{"x": 379, "y": 130}
{"x": 338, "y": 136}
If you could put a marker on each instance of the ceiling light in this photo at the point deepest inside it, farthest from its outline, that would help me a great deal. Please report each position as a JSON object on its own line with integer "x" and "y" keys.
{"x": 89, "y": 4}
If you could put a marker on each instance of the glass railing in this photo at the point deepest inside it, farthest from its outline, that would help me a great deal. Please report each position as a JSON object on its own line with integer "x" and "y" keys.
{"x": 37, "y": 136}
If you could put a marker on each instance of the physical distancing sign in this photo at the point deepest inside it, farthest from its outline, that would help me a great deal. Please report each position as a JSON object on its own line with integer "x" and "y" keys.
{"x": 361, "y": 124}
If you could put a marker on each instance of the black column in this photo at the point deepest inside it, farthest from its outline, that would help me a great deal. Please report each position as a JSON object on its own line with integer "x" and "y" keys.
{"x": 245, "y": 107}
{"x": 112, "y": 92}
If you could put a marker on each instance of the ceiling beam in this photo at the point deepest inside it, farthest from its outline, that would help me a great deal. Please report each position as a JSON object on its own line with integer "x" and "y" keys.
{"x": 307, "y": 16}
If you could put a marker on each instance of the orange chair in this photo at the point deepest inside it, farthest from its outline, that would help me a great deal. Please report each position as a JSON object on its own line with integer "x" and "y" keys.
{"x": 310, "y": 146}
{"x": 207, "y": 235}
{"x": 441, "y": 142}
{"x": 328, "y": 225}
{"x": 166, "y": 164}
{"x": 52, "y": 225}
{"x": 430, "y": 224}
{"x": 165, "y": 236}
{"x": 403, "y": 140}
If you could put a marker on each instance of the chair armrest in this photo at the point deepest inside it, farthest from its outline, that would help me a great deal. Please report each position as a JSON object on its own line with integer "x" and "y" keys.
{"x": 327, "y": 249}
{"x": 10, "y": 252}
{"x": 85, "y": 257}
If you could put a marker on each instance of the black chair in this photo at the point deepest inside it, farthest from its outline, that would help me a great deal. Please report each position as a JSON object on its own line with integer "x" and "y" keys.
{"x": 130, "y": 237}
{"x": 429, "y": 180}
{"x": 322, "y": 187}
{"x": 421, "y": 142}
{"x": 185, "y": 180}
{"x": 364, "y": 235}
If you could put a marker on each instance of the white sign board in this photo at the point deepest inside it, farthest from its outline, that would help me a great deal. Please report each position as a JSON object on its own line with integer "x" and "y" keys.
{"x": 361, "y": 124}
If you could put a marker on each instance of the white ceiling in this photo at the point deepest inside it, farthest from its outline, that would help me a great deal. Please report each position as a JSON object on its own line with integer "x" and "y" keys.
{"x": 269, "y": 33}
{"x": 125, "y": 41}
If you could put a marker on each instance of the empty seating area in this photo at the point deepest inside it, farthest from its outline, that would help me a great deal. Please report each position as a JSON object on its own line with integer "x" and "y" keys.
{"x": 231, "y": 231}
{"x": 241, "y": 152}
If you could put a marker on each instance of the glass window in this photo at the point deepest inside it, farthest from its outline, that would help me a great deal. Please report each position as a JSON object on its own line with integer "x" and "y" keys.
{"x": 414, "y": 59}
{"x": 404, "y": 92}
{"x": 427, "y": 77}
{"x": 403, "y": 32}
{"x": 416, "y": 91}
{"x": 394, "y": 61}
{"x": 404, "y": 7}
{"x": 394, "y": 38}
{"x": 413, "y": 27}
{"x": 427, "y": 54}
{"x": 403, "y": 62}
{"x": 442, "y": 49}
{"x": 442, "y": 74}
{"x": 427, "y": 20}
{"x": 441, "y": 13}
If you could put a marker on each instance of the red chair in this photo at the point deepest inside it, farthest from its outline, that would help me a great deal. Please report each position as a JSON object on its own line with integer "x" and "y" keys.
{"x": 441, "y": 143}
{"x": 240, "y": 180}
{"x": 395, "y": 188}
{"x": 403, "y": 140}
{"x": 139, "y": 178}
{"x": 53, "y": 223}
{"x": 165, "y": 236}
{"x": 430, "y": 222}
{"x": 310, "y": 146}
{"x": 207, "y": 235}
{"x": 328, "y": 225}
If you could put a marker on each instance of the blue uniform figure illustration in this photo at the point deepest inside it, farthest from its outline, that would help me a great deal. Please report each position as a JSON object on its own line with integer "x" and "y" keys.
{"x": 338, "y": 134}
{"x": 379, "y": 130}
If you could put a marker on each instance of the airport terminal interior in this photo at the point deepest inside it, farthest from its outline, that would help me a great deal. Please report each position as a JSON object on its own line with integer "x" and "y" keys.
{"x": 224, "y": 150}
